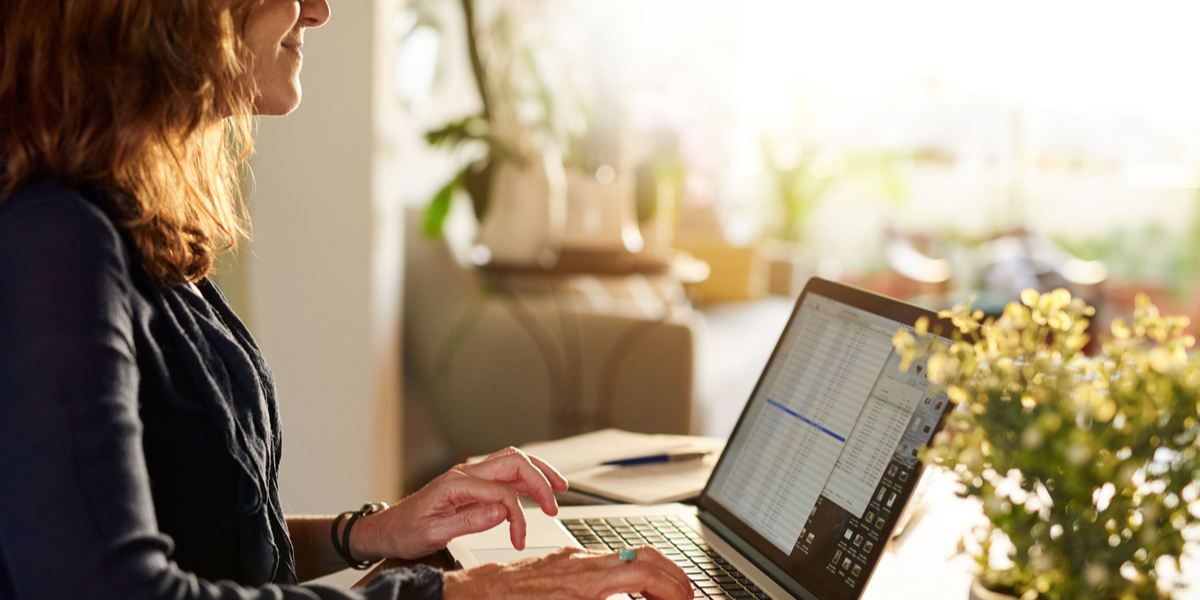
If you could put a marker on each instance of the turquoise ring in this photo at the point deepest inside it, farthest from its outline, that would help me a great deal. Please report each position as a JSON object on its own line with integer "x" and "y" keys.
{"x": 626, "y": 554}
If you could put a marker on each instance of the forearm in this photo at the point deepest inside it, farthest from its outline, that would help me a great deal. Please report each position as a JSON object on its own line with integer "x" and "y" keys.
{"x": 315, "y": 556}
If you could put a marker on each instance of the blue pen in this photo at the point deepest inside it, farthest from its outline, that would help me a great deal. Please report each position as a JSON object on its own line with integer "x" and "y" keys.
{"x": 655, "y": 458}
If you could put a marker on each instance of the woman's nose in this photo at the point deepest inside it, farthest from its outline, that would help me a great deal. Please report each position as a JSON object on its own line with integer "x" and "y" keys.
{"x": 314, "y": 13}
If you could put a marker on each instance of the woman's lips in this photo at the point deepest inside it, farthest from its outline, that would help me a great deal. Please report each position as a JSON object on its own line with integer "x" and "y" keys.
{"x": 294, "y": 47}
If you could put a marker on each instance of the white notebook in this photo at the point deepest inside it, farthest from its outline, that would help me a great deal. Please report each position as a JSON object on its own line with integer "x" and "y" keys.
{"x": 578, "y": 458}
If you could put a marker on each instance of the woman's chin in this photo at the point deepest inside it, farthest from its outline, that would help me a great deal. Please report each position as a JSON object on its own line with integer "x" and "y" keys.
{"x": 275, "y": 105}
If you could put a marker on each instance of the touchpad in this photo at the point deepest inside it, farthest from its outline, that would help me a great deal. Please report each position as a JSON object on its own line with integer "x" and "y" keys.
{"x": 498, "y": 555}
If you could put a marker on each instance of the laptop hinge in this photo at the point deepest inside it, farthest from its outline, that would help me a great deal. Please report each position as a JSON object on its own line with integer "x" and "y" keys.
{"x": 760, "y": 560}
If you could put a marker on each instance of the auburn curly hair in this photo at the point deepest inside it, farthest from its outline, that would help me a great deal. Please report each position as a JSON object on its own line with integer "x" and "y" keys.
{"x": 145, "y": 100}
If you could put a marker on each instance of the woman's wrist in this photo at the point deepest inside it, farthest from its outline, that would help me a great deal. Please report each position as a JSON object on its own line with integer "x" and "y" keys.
{"x": 353, "y": 535}
{"x": 452, "y": 585}
{"x": 460, "y": 584}
{"x": 364, "y": 544}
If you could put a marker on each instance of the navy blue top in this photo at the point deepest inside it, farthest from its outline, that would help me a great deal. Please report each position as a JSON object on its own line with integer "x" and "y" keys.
{"x": 139, "y": 432}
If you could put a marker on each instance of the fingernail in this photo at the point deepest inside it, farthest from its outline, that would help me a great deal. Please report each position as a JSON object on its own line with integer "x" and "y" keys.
{"x": 495, "y": 512}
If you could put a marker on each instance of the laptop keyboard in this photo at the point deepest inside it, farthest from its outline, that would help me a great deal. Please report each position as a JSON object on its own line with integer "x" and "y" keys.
{"x": 711, "y": 575}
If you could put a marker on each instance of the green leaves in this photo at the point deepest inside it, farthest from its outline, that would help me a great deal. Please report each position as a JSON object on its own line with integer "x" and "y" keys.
{"x": 475, "y": 178}
{"x": 470, "y": 128}
{"x": 439, "y": 208}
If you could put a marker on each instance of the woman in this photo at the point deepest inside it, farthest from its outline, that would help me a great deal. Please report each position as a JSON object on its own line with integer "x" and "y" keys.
{"x": 139, "y": 434}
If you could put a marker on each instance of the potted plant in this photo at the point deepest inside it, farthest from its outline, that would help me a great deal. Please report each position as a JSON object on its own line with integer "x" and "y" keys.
{"x": 1085, "y": 467}
{"x": 517, "y": 184}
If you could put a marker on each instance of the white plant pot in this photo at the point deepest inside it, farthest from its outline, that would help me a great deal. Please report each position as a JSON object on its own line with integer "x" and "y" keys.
{"x": 526, "y": 214}
{"x": 601, "y": 217}
{"x": 658, "y": 232}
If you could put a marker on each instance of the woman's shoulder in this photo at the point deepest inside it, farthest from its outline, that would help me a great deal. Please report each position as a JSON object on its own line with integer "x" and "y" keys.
{"x": 49, "y": 203}
{"x": 49, "y": 216}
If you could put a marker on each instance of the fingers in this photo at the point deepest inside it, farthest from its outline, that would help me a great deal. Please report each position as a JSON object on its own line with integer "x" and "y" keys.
{"x": 526, "y": 474}
{"x": 516, "y": 526}
{"x": 557, "y": 481}
{"x": 650, "y": 574}
{"x": 474, "y": 520}
{"x": 667, "y": 578}
{"x": 521, "y": 469}
{"x": 572, "y": 573}
{"x": 464, "y": 491}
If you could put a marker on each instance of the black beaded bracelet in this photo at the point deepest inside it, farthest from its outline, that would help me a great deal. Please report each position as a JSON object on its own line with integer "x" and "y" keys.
{"x": 342, "y": 546}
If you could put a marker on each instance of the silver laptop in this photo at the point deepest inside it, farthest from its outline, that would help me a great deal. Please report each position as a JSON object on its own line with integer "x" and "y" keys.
{"x": 813, "y": 479}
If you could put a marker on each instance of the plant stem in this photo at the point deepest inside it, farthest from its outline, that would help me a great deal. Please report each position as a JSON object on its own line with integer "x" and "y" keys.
{"x": 476, "y": 62}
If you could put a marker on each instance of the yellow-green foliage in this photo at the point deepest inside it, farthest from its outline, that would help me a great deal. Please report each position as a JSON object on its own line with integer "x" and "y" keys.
{"x": 1086, "y": 464}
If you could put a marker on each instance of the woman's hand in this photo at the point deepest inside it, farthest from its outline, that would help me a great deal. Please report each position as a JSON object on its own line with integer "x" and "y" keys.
{"x": 572, "y": 574}
{"x": 466, "y": 499}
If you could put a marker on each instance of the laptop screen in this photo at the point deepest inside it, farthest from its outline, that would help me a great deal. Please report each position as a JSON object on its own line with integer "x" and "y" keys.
{"x": 825, "y": 455}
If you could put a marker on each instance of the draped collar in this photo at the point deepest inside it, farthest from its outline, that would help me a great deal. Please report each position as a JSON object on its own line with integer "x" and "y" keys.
{"x": 237, "y": 389}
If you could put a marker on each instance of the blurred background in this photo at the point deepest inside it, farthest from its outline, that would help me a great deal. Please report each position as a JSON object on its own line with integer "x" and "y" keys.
{"x": 494, "y": 222}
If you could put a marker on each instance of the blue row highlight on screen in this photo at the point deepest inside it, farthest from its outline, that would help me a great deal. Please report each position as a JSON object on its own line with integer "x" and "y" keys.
{"x": 794, "y": 414}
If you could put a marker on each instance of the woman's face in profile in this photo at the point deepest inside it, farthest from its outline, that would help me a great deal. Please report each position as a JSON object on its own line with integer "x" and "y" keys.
{"x": 274, "y": 34}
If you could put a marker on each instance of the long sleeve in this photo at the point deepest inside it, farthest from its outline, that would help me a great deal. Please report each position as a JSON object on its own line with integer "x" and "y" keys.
{"x": 77, "y": 518}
